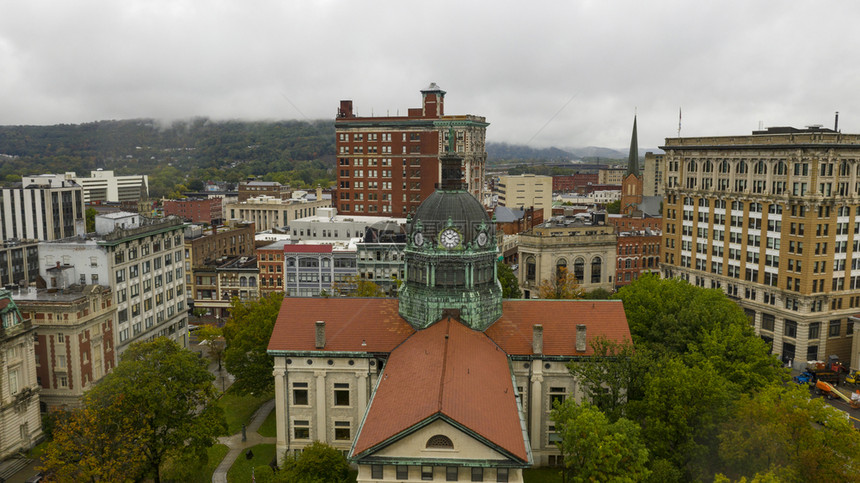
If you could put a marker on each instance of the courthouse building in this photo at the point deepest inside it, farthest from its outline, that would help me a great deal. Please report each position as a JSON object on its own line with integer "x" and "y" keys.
{"x": 448, "y": 382}
{"x": 773, "y": 219}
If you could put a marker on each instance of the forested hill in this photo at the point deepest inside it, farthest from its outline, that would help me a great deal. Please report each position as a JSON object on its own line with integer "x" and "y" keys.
{"x": 298, "y": 153}
{"x": 201, "y": 148}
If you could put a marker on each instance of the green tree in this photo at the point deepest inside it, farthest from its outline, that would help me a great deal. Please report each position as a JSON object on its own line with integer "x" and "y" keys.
{"x": 614, "y": 373}
{"x": 95, "y": 443}
{"x": 562, "y": 285}
{"x": 355, "y": 286}
{"x": 510, "y": 284}
{"x": 598, "y": 294}
{"x": 595, "y": 449}
{"x": 317, "y": 463}
{"x": 213, "y": 338}
{"x": 247, "y": 333}
{"x": 614, "y": 208}
{"x": 91, "y": 219}
{"x": 680, "y": 411}
{"x": 165, "y": 393}
{"x": 667, "y": 315}
{"x": 780, "y": 429}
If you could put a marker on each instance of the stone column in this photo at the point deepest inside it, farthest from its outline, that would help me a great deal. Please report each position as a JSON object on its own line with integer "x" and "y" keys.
{"x": 362, "y": 391}
{"x": 320, "y": 423}
{"x": 281, "y": 402}
{"x": 536, "y": 407}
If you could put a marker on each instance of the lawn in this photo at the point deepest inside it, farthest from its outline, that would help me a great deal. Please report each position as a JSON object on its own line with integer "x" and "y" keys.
{"x": 269, "y": 429}
{"x": 542, "y": 475}
{"x": 241, "y": 469}
{"x": 239, "y": 409}
{"x": 216, "y": 454}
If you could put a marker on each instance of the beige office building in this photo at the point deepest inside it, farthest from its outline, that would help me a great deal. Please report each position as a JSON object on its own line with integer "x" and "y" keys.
{"x": 652, "y": 175}
{"x": 525, "y": 191}
{"x": 773, "y": 219}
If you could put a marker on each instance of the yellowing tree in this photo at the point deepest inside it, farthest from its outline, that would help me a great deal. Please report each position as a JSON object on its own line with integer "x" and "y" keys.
{"x": 561, "y": 286}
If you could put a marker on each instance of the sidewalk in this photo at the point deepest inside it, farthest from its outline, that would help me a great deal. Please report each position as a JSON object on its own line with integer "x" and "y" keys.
{"x": 238, "y": 447}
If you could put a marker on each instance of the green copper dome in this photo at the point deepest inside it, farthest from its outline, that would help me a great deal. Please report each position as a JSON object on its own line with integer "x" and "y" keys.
{"x": 451, "y": 258}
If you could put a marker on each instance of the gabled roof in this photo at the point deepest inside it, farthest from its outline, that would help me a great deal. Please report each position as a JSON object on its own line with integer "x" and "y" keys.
{"x": 446, "y": 371}
{"x": 559, "y": 318}
{"x": 352, "y": 325}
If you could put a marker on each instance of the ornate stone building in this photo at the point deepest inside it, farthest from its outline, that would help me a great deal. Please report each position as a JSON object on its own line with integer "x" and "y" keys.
{"x": 20, "y": 423}
{"x": 772, "y": 219}
{"x": 74, "y": 340}
{"x": 583, "y": 245}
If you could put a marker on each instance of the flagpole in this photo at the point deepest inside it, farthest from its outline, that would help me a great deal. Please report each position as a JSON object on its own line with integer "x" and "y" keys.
{"x": 679, "y": 122}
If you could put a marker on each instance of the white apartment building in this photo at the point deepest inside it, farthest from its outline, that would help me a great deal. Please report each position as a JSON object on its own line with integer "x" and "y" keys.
{"x": 141, "y": 262}
{"x": 43, "y": 207}
{"x": 103, "y": 185}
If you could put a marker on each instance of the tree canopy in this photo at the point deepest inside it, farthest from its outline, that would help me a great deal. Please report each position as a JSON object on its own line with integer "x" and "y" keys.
{"x": 317, "y": 463}
{"x": 156, "y": 404}
{"x": 562, "y": 285}
{"x": 247, "y": 333}
{"x": 596, "y": 449}
{"x": 510, "y": 284}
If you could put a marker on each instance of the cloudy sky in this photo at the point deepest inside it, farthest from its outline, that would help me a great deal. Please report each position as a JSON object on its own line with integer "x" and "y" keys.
{"x": 546, "y": 73}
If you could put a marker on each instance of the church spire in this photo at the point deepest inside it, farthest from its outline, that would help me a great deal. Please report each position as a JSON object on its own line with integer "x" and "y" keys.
{"x": 633, "y": 158}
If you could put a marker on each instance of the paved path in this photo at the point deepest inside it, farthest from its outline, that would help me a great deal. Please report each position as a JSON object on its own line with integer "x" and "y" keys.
{"x": 238, "y": 447}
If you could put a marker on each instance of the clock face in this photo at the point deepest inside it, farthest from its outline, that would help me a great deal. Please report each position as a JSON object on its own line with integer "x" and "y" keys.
{"x": 418, "y": 239}
{"x": 449, "y": 238}
{"x": 482, "y": 239}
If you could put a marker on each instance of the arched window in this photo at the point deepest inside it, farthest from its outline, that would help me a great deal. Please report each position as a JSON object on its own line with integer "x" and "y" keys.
{"x": 742, "y": 167}
{"x": 252, "y": 281}
{"x": 780, "y": 169}
{"x": 530, "y": 269}
{"x": 760, "y": 168}
{"x": 691, "y": 166}
{"x": 243, "y": 282}
{"x": 579, "y": 270}
{"x": 560, "y": 266}
{"x": 724, "y": 166}
{"x": 709, "y": 167}
{"x": 596, "y": 266}
{"x": 440, "y": 441}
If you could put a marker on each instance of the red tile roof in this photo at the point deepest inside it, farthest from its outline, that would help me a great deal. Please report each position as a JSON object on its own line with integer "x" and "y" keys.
{"x": 352, "y": 324}
{"x": 559, "y": 318}
{"x": 446, "y": 370}
{"x": 307, "y": 248}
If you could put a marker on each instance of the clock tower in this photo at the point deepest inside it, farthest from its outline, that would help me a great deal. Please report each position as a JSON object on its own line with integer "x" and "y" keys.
{"x": 451, "y": 257}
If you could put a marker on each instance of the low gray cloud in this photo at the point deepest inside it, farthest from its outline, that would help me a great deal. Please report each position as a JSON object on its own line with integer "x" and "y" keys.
{"x": 549, "y": 73}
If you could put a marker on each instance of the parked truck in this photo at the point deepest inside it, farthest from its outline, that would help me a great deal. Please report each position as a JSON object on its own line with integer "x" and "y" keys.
{"x": 819, "y": 371}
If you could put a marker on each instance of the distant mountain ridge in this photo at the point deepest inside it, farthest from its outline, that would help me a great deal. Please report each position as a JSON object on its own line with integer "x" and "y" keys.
{"x": 497, "y": 152}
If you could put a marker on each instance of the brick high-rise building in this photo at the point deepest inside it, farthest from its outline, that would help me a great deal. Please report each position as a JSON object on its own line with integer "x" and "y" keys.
{"x": 389, "y": 164}
{"x": 773, "y": 219}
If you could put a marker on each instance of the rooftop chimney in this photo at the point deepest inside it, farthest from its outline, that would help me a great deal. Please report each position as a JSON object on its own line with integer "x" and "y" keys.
{"x": 580, "y": 338}
{"x": 537, "y": 339}
{"x": 320, "y": 334}
{"x": 836, "y": 122}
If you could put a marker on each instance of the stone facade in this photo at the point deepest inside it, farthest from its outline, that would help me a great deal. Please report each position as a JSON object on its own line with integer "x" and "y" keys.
{"x": 74, "y": 340}
{"x": 773, "y": 220}
{"x": 586, "y": 250}
{"x": 20, "y": 422}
